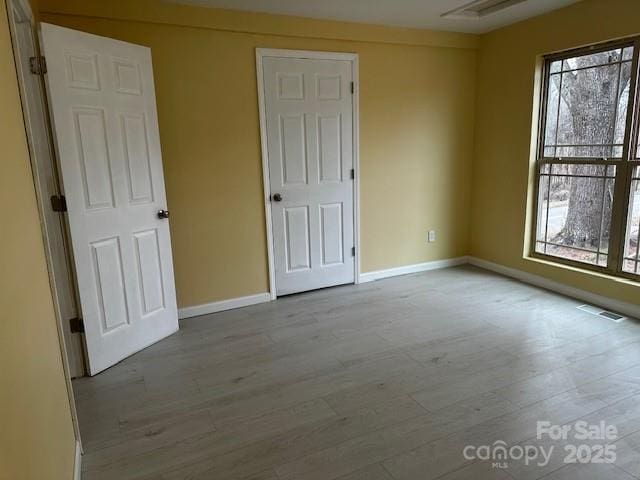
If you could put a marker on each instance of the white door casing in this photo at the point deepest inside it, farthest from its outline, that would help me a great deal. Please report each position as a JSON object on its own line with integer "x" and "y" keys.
{"x": 308, "y": 131}
{"x": 45, "y": 180}
{"x": 102, "y": 101}
{"x": 22, "y": 27}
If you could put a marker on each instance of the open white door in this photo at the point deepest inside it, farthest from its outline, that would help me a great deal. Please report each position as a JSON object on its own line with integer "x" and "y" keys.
{"x": 102, "y": 100}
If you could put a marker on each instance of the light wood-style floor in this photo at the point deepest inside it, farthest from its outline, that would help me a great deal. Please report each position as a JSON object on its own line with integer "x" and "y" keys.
{"x": 386, "y": 380}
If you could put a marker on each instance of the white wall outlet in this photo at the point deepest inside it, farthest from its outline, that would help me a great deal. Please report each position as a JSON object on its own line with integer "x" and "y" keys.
{"x": 432, "y": 236}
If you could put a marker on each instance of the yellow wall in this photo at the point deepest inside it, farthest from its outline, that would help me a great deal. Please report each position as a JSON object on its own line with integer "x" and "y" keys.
{"x": 417, "y": 91}
{"x": 36, "y": 433}
{"x": 506, "y": 68}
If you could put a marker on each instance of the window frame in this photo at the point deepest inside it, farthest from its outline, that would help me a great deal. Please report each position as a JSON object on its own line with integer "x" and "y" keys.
{"x": 625, "y": 165}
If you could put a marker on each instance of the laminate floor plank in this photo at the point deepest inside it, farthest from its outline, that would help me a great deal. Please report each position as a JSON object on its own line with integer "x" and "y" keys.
{"x": 388, "y": 380}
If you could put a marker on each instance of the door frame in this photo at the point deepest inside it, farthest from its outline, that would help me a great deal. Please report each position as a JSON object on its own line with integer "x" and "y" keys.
{"x": 262, "y": 53}
{"x": 56, "y": 235}
{"x": 24, "y": 10}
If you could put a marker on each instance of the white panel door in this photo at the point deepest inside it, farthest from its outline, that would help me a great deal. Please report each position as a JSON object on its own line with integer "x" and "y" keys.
{"x": 102, "y": 100}
{"x": 309, "y": 130}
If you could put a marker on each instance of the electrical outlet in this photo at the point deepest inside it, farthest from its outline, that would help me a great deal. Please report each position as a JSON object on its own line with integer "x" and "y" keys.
{"x": 432, "y": 236}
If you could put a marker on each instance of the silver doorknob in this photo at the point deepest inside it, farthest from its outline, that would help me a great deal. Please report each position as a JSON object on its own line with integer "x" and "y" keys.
{"x": 276, "y": 197}
{"x": 163, "y": 213}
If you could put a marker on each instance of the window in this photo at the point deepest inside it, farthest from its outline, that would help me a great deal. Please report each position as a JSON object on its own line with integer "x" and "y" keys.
{"x": 588, "y": 165}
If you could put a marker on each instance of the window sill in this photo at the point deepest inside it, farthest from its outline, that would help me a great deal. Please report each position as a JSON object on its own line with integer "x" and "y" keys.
{"x": 582, "y": 271}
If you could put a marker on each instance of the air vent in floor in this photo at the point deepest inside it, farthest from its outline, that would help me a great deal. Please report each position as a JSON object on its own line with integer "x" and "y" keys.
{"x": 602, "y": 313}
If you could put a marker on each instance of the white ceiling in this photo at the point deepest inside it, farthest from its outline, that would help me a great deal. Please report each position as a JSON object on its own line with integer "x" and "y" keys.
{"x": 404, "y": 13}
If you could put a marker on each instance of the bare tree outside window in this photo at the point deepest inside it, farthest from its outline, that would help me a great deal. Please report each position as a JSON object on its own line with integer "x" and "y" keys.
{"x": 587, "y": 99}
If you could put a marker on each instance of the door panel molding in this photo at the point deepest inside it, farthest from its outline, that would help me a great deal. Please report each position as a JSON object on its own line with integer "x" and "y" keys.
{"x": 290, "y": 86}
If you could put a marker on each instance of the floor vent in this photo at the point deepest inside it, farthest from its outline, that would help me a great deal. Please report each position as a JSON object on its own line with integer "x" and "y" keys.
{"x": 602, "y": 313}
{"x": 480, "y": 8}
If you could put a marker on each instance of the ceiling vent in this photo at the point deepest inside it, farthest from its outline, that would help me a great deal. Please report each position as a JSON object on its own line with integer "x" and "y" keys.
{"x": 480, "y": 8}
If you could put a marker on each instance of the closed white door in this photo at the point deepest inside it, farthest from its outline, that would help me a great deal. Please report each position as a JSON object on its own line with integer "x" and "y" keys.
{"x": 308, "y": 106}
{"x": 102, "y": 100}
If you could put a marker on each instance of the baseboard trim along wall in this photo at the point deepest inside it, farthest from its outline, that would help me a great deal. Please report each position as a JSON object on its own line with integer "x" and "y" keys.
{"x": 416, "y": 268}
{"x": 223, "y": 305}
{"x": 617, "y": 306}
{"x": 77, "y": 466}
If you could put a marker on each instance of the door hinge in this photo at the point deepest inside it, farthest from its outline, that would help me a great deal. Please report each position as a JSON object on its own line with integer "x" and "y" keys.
{"x": 353, "y": 88}
{"x": 353, "y": 251}
{"x": 77, "y": 325}
{"x": 58, "y": 203}
{"x": 38, "y": 65}
{"x": 353, "y": 174}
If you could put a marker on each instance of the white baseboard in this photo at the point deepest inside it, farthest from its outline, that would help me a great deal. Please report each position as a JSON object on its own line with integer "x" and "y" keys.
{"x": 628, "y": 309}
{"x": 223, "y": 305}
{"x": 416, "y": 268}
{"x": 77, "y": 466}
